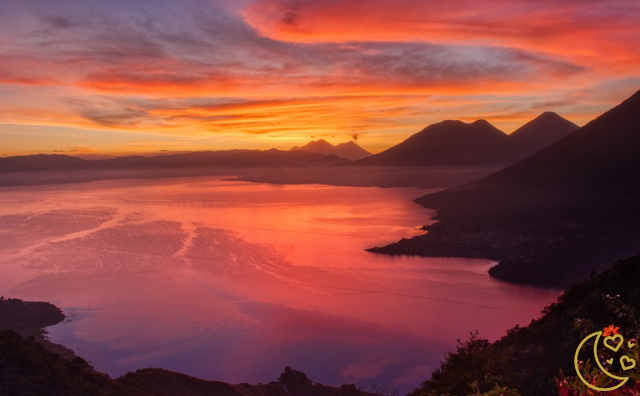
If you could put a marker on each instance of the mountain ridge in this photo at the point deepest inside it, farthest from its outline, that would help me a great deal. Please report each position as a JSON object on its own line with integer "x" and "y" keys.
{"x": 552, "y": 217}
{"x": 450, "y": 142}
{"x": 348, "y": 150}
{"x": 229, "y": 158}
{"x": 542, "y": 131}
{"x": 57, "y": 168}
{"x": 453, "y": 142}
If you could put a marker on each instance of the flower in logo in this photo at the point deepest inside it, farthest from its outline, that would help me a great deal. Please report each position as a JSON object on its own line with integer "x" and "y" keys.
{"x": 610, "y": 330}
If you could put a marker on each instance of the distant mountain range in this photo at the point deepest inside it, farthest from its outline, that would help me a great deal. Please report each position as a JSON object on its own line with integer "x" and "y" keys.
{"x": 455, "y": 143}
{"x": 55, "y": 168}
{"x": 349, "y": 150}
{"x": 445, "y": 143}
{"x": 539, "y": 133}
{"x": 203, "y": 159}
{"x": 553, "y": 217}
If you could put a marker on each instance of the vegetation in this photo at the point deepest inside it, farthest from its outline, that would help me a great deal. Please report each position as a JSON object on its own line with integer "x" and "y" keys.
{"x": 531, "y": 359}
{"x": 27, "y": 368}
{"x": 28, "y": 318}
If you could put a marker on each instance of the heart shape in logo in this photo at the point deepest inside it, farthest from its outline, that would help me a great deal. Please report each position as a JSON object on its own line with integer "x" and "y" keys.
{"x": 631, "y": 364}
{"x": 610, "y": 361}
{"x": 613, "y": 338}
{"x": 631, "y": 344}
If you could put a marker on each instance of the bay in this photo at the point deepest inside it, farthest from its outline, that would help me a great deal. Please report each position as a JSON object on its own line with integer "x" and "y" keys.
{"x": 233, "y": 281}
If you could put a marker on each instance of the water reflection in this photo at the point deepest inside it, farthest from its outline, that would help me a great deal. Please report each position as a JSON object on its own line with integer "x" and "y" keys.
{"x": 233, "y": 281}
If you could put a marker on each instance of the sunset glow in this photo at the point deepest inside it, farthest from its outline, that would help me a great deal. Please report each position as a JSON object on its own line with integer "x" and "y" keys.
{"x": 120, "y": 77}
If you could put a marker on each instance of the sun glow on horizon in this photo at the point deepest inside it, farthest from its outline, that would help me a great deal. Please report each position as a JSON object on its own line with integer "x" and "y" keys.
{"x": 88, "y": 78}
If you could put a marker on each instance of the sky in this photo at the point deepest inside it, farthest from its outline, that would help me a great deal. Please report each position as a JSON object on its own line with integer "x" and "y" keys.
{"x": 94, "y": 77}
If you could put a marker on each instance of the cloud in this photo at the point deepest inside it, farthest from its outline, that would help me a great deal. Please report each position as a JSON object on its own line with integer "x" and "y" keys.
{"x": 300, "y": 67}
{"x": 331, "y": 69}
{"x": 203, "y": 52}
{"x": 160, "y": 81}
{"x": 580, "y": 29}
{"x": 110, "y": 116}
{"x": 407, "y": 20}
{"x": 552, "y": 104}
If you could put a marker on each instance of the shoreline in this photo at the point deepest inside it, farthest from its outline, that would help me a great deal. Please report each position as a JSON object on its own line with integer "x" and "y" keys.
{"x": 31, "y": 364}
{"x": 30, "y": 320}
{"x": 529, "y": 254}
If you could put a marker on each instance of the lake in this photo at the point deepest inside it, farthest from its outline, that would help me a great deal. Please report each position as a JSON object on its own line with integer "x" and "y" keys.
{"x": 234, "y": 281}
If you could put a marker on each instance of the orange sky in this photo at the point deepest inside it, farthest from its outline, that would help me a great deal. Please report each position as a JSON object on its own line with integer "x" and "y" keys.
{"x": 117, "y": 77}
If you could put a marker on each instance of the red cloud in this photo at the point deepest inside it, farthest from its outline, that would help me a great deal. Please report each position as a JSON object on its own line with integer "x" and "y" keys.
{"x": 597, "y": 31}
{"x": 298, "y": 67}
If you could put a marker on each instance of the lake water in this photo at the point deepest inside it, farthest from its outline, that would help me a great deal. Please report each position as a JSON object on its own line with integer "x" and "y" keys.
{"x": 233, "y": 281}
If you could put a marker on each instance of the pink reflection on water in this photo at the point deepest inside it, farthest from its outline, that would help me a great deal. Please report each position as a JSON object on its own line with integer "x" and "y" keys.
{"x": 233, "y": 281}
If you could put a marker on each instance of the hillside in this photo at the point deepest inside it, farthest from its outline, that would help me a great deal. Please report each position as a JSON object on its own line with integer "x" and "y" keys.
{"x": 35, "y": 367}
{"x": 349, "y": 150}
{"x": 28, "y": 369}
{"x": 530, "y": 359}
{"x": 553, "y": 217}
{"x": 455, "y": 143}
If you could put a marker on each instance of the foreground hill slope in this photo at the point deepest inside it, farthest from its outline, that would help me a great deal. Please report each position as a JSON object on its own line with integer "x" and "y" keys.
{"x": 529, "y": 359}
{"x": 28, "y": 369}
{"x": 36, "y": 367}
{"x": 553, "y": 217}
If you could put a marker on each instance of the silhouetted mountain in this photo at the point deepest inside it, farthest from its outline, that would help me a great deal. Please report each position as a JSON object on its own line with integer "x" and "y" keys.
{"x": 39, "y": 162}
{"x": 552, "y": 217}
{"x": 447, "y": 143}
{"x": 539, "y": 133}
{"x": 479, "y": 143}
{"x": 349, "y": 150}
{"x": 203, "y": 159}
{"x": 316, "y": 146}
{"x": 47, "y": 169}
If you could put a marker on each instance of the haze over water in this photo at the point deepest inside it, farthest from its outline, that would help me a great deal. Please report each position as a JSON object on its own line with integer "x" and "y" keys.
{"x": 233, "y": 281}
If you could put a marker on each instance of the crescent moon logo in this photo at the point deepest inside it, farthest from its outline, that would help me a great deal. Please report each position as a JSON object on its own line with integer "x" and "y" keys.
{"x": 597, "y": 335}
